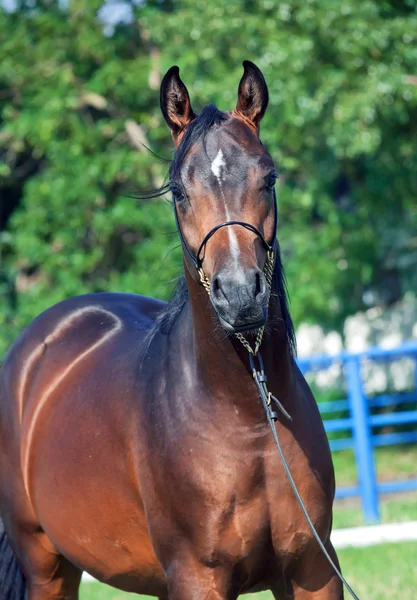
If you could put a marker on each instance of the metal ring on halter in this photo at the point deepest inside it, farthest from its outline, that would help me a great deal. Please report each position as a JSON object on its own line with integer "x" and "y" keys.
{"x": 252, "y": 363}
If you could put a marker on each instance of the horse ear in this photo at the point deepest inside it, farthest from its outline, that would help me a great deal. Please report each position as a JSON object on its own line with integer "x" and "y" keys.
{"x": 252, "y": 97}
{"x": 175, "y": 102}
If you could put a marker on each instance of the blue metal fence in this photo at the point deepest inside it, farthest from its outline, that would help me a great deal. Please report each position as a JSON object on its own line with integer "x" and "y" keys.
{"x": 361, "y": 421}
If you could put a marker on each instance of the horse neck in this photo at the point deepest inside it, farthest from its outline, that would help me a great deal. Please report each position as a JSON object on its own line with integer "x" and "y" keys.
{"x": 221, "y": 360}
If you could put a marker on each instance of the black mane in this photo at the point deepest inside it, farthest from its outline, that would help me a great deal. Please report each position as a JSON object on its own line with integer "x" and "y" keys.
{"x": 279, "y": 287}
{"x": 211, "y": 117}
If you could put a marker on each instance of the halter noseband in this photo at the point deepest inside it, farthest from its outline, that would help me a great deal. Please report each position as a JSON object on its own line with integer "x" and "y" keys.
{"x": 198, "y": 261}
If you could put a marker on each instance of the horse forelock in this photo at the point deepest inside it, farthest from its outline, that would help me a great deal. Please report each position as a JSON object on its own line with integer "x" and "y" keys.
{"x": 198, "y": 129}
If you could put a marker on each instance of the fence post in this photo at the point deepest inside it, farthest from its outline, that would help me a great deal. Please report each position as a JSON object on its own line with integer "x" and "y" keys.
{"x": 362, "y": 435}
{"x": 415, "y": 371}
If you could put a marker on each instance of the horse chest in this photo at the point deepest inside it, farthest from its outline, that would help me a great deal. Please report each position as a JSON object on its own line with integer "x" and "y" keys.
{"x": 312, "y": 471}
{"x": 222, "y": 490}
{"x": 211, "y": 487}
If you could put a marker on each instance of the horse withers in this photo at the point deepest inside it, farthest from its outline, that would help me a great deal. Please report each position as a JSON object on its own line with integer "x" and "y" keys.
{"x": 133, "y": 443}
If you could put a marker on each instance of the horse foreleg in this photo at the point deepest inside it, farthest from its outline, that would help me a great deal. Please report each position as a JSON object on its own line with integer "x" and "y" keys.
{"x": 190, "y": 580}
{"x": 49, "y": 575}
{"x": 63, "y": 585}
{"x": 315, "y": 578}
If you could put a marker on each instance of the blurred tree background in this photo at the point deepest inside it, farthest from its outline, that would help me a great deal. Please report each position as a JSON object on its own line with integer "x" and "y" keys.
{"x": 79, "y": 85}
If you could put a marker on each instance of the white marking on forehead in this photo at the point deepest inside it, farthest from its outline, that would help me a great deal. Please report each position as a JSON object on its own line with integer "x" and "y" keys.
{"x": 217, "y": 164}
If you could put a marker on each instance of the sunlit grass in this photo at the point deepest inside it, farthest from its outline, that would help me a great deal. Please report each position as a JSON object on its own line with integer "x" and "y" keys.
{"x": 392, "y": 463}
{"x": 394, "y": 509}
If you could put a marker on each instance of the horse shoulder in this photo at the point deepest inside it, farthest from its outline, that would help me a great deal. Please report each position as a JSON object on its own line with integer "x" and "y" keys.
{"x": 306, "y": 449}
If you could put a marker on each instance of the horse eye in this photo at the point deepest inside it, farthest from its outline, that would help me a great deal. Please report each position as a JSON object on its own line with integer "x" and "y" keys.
{"x": 177, "y": 193}
{"x": 270, "y": 181}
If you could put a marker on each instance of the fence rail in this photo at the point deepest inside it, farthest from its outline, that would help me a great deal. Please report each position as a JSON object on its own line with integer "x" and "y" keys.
{"x": 360, "y": 421}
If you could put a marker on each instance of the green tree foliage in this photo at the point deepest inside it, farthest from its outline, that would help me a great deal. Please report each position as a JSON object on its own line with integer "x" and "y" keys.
{"x": 76, "y": 104}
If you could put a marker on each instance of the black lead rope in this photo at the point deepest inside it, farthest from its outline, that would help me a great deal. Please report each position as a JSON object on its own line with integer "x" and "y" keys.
{"x": 261, "y": 380}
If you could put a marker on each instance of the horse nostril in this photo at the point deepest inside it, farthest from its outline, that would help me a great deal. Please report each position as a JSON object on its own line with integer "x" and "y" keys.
{"x": 221, "y": 290}
{"x": 216, "y": 287}
{"x": 257, "y": 285}
{"x": 260, "y": 284}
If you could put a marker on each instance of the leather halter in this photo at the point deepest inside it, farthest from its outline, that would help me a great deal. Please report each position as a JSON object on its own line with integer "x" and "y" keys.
{"x": 268, "y": 267}
{"x": 198, "y": 261}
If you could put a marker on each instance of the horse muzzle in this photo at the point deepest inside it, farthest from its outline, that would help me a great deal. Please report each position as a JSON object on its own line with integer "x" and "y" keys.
{"x": 240, "y": 299}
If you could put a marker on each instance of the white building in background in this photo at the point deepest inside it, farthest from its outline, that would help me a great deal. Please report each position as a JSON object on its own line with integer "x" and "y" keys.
{"x": 375, "y": 327}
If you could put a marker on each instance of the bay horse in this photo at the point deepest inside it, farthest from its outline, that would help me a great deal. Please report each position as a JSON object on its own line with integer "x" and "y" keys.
{"x": 133, "y": 444}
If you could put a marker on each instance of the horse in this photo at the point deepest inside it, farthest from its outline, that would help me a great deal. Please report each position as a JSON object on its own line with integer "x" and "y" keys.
{"x": 133, "y": 442}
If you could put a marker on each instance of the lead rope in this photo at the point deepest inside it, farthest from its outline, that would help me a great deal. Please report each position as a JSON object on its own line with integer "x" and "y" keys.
{"x": 266, "y": 397}
{"x": 260, "y": 380}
